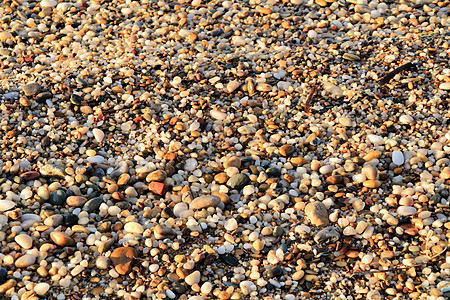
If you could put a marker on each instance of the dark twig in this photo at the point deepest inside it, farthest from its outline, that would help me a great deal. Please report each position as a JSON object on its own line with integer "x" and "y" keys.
{"x": 310, "y": 98}
{"x": 391, "y": 75}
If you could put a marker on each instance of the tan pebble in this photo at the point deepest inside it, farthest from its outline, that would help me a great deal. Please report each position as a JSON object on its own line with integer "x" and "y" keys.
{"x": 311, "y": 278}
{"x": 158, "y": 175}
{"x": 352, "y": 253}
{"x": 371, "y": 172}
{"x": 258, "y": 245}
{"x": 62, "y": 239}
{"x": 287, "y": 150}
{"x": 76, "y": 201}
{"x": 296, "y": 161}
{"x": 7, "y": 286}
{"x": 263, "y": 10}
{"x": 322, "y": 3}
{"x": 221, "y": 178}
{"x": 372, "y": 183}
{"x": 298, "y": 275}
{"x": 123, "y": 179}
{"x": 80, "y": 228}
{"x": 372, "y": 155}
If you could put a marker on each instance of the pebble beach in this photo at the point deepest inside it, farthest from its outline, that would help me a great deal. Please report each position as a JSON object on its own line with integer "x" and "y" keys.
{"x": 252, "y": 149}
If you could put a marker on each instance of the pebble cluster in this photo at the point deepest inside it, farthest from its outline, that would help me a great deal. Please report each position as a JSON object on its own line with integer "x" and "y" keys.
{"x": 261, "y": 149}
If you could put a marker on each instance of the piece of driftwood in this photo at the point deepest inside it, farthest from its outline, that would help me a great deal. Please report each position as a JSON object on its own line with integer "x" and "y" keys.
{"x": 391, "y": 75}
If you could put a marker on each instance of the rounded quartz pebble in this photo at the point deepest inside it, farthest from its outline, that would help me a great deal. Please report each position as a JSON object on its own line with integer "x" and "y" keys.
{"x": 193, "y": 278}
{"x": 62, "y": 239}
{"x": 398, "y": 158}
{"x": 406, "y": 210}
{"x": 25, "y": 261}
{"x": 41, "y": 288}
{"x": 6, "y": 205}
{"x": 134, "y": 227}
{"x": 24, "y": 241}
{"x": 205, "y": 202}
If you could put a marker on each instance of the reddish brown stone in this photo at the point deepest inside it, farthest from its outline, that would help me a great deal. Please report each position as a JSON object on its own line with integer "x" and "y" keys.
{"x": 123, "y": 259}
{"x": 30, "y": 175}
{"x": 158, "y": 188}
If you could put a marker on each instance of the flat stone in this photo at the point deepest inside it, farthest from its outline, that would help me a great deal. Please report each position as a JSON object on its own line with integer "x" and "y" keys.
{"x": 230, "y": 224}
{"x": 31, "y": 89}
{"x": 30, "y": 175}
{"x": 372, "y": 183}
{"x": 398, "y": 158}
{"x": 24, "y": 241}
{"x": 444, "y": 86}
{"x": 62, "y": 239}
{"x": 406, "y": 210}
{"x": 205, "y": 202}
{"x": 25, "y": 261}
{"x": 102, "y": 262}
{"x": 58, "y": 197}
{"x": 162, "y": 232}
{"x": 6, "y": 205}
{"x": 317, "y": 213}
{"x": 275, "y": 272}
{"x": 54, "y": 220}
{"x": 334, "y": 179}
{"x": 134, "y": 227}
{"x": 287, "y": 150}
{"x": 158, "y": 188}
{"x": 158, "y": 175}
{"x": 193, "y": 278}
{"x": 98, "y": 134}
{"x": 41, "y": 288}
{"x": 273, "y": 172}
{"x": 123, "y": 259}
{"x": 238, "y": 181}
{"x": 52, "y": 170}
{"x": 76, "y": 201}
{"x": 230, "y": 259}
{"x": 327, "y": 235}
{"x": 92, "y": 205}
{"x": 233, "y": 161}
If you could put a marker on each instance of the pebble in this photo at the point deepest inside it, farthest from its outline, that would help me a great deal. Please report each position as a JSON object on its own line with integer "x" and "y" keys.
{"x": 230, "y": 224}
{"x": 52, "y": 170}
{"x": 406, "y": 210}
{"x": 31, "y": 89}
{"x": 327, "y": 235}
{"x": 317, "y": 213}
{"x": 287, "y": 150}
{"x": 25, "y": 261}
{"x": 205, "y": 202}
{"x": 193, "y": 278}
{"x": 99, "y": 135}
{"x": 102, "y": 262}
{"x": 158, "y": 175}
{"x": 62, "y": 239}
{"x": 445, "y": 86}
{"x": 92, "y": 205}
{"x": 398, "y": 158}
{"x": 134, "y": 227}
{"x": 41, "y": 288}
{"x": 6, "y": 205}
{"x": 24, "y": 241}
{"x": 76, "y": 201}
{"x": 123, "y": 259}
{"x": 275, "y": 272}
{"x": 238, "y": 181}
{"x": 48, "y": 3}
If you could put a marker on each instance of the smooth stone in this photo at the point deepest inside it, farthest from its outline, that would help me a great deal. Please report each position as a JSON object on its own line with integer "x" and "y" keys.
{"x": 179, "y": 209}
{"x": 258, "y": 245}
{"x": 92, "y": 205}
{"x": 317, "y": 213}
{"x": 162, "y": 232}
{"x": 287, "y": 150}
{"x": 233, "y": 161}
{"x": 48, "y": 3}
{"x": 246, "y": 129}
{"x": 193, "y": 278}
{"x": 24, "y": 241}
{"x": 7, "y": 286}
{"x": 206, "y": 288}
{"x": 25, "y": 261}
{"x": 205, "y": 202}
{"x": 372, "y": 183}
{"x": 230, "y": 224}
{"x": 70, "y": 219}
{"x": 98, "y": 135}
{"x": 52, "y": 170}
{"x": 123, "y": 259}
{"x": 41, "y": 288}
{"x": 58, "y": 197}
{"x": 134, "y": 227}
{"x": 406, "y": 119}
{"x": 275, "y": 272}
{"x": 62, "y": 239}
{"x": 3, "y": 275}
{"x": 76, "y": 201}
{"x": 232, "y": 86}
{"x": 334, "y": 179}
{"x": 31, "y": 89}
{"x": 102, "y": 262}
{"x": 218, "y": 115}
{"x": 370, "y": 171}
{"x": 158, "y": 175}
{"x": 444, "y": 86}
{"x": 273, "y": 172}
{"x": 190, "y": 164}
{"x": 238, "y": 181}
{"x": 230, "y": 259}
{"x": 406, "y": 210}
{"x": 298, "y": 275}
{"x": 54, "y": 220}
{"x": 6, "y": 205}
{"x": 278, "y": 231}
{"x": 327, "y": 235}
{"x": 179, "y": 288}
{"x": 96, "y": 159}
{"x": 398, "y": 158}
{"x": 375, "y": 139}
{"x": 30, "y": 175}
